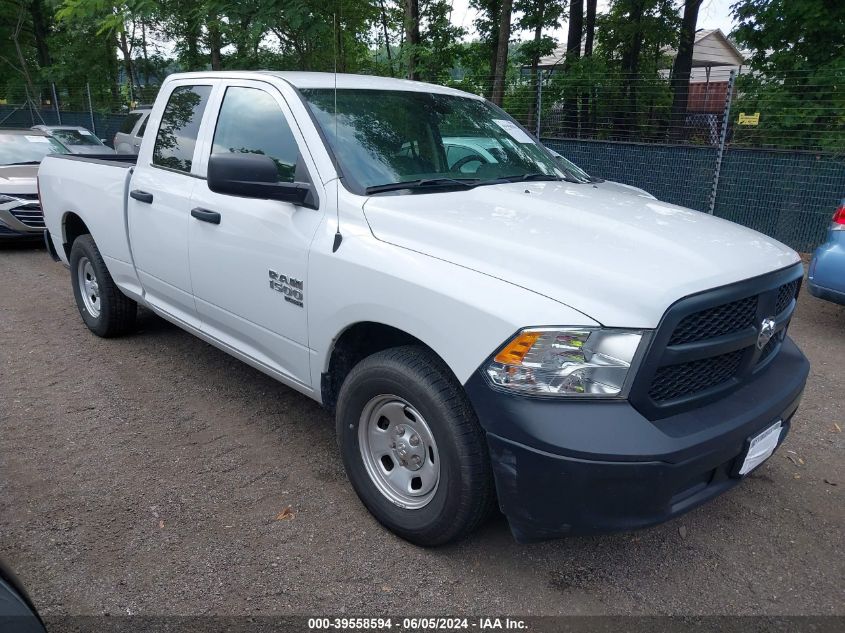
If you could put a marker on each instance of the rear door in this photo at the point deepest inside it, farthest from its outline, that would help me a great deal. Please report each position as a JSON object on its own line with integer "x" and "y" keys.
{"x": 249, "y": 271}
{"x": 159, "y": 204}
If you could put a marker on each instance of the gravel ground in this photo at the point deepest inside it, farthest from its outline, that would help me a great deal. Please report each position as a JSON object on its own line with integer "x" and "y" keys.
{"x": 148, "y": 475}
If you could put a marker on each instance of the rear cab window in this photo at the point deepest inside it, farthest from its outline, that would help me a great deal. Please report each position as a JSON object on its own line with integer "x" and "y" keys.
{"x": 180, "y": 124}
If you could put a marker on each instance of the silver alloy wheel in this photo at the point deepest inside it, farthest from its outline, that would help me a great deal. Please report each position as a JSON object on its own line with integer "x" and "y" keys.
{"x": 89, "y": 288}
{"x": 399, "y": 452}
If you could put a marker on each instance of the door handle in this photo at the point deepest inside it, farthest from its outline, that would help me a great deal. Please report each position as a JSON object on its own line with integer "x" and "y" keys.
{"x": 141, "y": 196}
{"x": 212, "y": 217}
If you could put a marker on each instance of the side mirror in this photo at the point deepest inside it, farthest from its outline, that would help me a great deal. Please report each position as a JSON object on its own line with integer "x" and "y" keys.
{"x": 256, "y": 176}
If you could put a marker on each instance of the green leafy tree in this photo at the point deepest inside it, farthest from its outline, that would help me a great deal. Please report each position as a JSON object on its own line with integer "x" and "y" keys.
{"x": 797, "y": 83}
{"x": 537, "y": 17}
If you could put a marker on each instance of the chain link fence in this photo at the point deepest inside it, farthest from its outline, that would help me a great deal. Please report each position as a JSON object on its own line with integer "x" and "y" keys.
{"x": 766, "y": 152}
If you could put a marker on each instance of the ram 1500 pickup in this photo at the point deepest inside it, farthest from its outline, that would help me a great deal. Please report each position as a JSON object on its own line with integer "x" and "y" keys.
{"x": 486, "y": 332}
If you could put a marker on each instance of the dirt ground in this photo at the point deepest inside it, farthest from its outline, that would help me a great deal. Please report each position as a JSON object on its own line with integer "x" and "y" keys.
{"x": 151, "y": 475}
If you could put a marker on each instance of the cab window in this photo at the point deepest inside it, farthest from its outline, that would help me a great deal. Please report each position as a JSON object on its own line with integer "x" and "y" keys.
{"x": 180, "y": 125}
{"x": 251, "y": 122}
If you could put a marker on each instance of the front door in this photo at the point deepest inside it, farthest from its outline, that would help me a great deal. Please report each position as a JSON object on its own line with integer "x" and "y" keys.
{"x": 249, "y": 271}
{"x": 159, "y": 204}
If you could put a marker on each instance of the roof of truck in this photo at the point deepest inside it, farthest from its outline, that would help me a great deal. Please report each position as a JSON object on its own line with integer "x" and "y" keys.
{"x": 304, "y": 80}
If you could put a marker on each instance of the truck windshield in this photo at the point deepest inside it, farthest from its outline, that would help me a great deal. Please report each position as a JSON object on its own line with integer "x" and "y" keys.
{"x": 22, "y": 149}
{"x": 394, "y": 139}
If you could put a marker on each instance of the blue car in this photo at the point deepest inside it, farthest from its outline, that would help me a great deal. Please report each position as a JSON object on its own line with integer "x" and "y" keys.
{"x": 827, "y": 269}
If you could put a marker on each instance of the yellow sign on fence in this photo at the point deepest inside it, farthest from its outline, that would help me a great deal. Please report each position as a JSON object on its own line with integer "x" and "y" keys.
{"x": 749, "y": 119}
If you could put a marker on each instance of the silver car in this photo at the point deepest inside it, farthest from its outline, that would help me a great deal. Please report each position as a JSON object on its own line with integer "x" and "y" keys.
{"x": 77, "y": 139}
{"x": 128, "y": 138}
{"x": 21, "y": 152}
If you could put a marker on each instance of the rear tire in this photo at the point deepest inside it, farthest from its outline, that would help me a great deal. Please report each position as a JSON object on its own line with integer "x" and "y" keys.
{"x": 413, "y": 448}
{"x": 104, "y": 308}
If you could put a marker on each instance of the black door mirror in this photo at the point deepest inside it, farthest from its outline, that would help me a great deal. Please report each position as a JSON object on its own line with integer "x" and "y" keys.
{"x": 256, "y": 176}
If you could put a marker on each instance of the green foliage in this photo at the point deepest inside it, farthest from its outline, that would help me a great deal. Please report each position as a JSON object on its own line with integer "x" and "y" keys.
{"x": 644, "y": 26}
{"x": 439, "y": 40}
{"x": 797, "y": 83}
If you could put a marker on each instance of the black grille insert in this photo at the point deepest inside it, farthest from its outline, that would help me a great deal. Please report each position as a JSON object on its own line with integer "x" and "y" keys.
{"x": 717, "y": 321}
{"x": 686, "y": 379}
{"x": 786, "y": 293}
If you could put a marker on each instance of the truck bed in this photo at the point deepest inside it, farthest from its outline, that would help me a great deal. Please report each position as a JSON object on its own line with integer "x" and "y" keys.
{"x": 118, "y": 160}
{"x": 94, "y": 188}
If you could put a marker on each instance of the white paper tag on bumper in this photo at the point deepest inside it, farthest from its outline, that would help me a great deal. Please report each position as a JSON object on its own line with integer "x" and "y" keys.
{"x": 761, "y": 448}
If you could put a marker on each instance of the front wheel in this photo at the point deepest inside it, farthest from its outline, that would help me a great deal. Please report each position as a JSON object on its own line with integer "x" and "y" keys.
{"x": 104, "y": 308}
{"x": 412, "y": 446}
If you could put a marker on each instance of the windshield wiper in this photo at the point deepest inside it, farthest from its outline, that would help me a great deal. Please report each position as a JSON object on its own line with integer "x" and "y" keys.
{"x": 26, "y": 162}
{"x": 535, "y": 176}
{"x": 423, "y": 183}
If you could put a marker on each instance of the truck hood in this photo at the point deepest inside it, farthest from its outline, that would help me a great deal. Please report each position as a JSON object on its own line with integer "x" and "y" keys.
{"x": 620, "y": 259}
{"x": 620, "y": 187}
{"x": 18, "y": 178}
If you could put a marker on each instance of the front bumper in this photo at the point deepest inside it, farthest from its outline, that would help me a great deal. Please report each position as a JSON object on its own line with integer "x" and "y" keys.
{"x": 827, "y": 269}
{"x": 584, "y": 467}
{"x": 21, "y": 220}
{"x": 827, "y": 294}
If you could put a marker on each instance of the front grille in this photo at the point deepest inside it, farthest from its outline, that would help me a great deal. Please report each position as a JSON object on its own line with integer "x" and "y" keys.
{"x": 30, "y": 215}
{"x": 707, "y": 343}
{"x": 770, "y": 348}
{"x": 718, "y": 321}
{"x": 786, "y": 293}
{"x": 677, "y": 381}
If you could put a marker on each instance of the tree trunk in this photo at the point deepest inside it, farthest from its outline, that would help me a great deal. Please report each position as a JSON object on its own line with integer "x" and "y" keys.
{"x": 627, "y": 114}
{"x": 590, "y": 28}
{"x": 113, "y": 68}
{"x": 386, "y": 37}
{"x": 573, "y": 53}
{"x": 192, "y": 36}
{"x": 144, "y": 52}
{"x": 576, "y": 32}
{"x": 591, "y": 97}
{"x": 535, "y": 63}
{"x": 493, "y": 8}
{"x": 412, "y": 36}
{"x": 128, "y": 66}
{"x": 682, "y": 66}
{"x": 40, "y": 29}
{"x": 215, "y": 44}
{"x": 497, "y": 95}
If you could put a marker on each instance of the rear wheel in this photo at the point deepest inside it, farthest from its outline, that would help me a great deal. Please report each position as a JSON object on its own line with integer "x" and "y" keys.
{"x": 104, "y": 308}
{"x": 413, "y": 448}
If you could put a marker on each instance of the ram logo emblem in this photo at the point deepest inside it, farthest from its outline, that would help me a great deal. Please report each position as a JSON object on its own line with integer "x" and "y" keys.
{"x": 767, "y": 331}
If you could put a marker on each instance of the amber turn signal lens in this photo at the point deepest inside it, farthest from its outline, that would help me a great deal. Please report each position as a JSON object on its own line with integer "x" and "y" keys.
{"x": 515, "y": 351}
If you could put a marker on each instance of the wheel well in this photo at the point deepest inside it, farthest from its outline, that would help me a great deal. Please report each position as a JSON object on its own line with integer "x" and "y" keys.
{"x": 73, "y": 228}
{"x": 354, "y": 345}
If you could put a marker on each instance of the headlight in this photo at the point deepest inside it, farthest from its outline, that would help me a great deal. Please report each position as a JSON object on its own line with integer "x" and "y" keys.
{"x": 568, "y": 362}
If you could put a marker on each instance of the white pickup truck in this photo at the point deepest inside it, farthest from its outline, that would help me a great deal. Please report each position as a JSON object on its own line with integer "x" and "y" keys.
{"x": 487, "y": 333}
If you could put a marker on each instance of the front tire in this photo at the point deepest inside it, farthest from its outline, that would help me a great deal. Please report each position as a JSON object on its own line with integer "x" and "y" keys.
{"x": 413, "y": 448}
{"x": 104, "y": 308}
